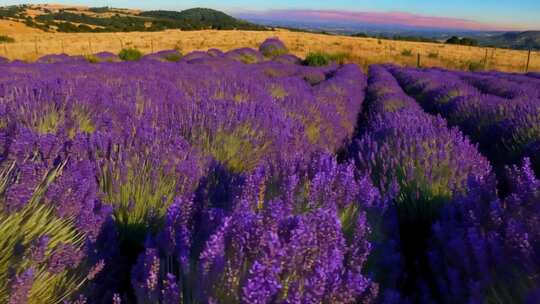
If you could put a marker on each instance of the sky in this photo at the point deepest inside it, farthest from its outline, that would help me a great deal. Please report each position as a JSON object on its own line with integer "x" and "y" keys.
{"x": 471, "y": 14}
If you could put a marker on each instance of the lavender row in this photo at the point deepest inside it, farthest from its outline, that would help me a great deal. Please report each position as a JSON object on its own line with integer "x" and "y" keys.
{"x": 487, "y": 249}
{"x": 402, "y": 144}
{"x": 506, "y": 131}
{"x": 481, "y": 248}
{"x": 420, "y": 166}
{"x": 509, "y": 86}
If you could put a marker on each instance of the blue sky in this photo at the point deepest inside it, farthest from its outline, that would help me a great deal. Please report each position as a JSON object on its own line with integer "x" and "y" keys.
{"x": 518, "y": 13}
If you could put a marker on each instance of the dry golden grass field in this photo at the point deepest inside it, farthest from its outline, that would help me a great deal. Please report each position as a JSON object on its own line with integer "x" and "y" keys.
{"x": 31, "y": 43}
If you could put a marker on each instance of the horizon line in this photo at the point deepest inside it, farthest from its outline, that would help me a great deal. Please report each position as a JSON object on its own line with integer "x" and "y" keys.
{"x": 380, "y": 17}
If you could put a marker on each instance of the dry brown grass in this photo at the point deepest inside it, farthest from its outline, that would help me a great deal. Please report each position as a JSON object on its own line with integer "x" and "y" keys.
{"x": 30, "y": 45}
{"x": 8, "y": 27}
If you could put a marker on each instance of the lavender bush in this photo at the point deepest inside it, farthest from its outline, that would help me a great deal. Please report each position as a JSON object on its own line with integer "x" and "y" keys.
{"x": 273, "y": 47}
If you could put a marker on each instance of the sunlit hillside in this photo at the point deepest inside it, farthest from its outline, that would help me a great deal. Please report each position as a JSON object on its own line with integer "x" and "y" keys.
{"x": 30, "y": 44}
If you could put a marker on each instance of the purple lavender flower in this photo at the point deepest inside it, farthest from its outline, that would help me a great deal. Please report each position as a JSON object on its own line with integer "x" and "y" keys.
{"x": 64, "y": 256}
{"x": 487, "y": 248}
{"x": 145, "y": 276}
{"x": 171, "y": 293}
{"x": 503, "y": 129}
{"x": 21, "y": 286}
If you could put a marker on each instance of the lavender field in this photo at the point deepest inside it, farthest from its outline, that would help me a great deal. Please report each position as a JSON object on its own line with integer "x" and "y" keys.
{"x": 249, "y": 177}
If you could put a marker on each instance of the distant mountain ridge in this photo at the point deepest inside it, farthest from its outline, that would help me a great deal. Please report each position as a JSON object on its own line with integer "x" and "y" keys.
{"x": 529, "y": 40}
{"x": 55, "y": 18}
{"x": 513, "y": 40}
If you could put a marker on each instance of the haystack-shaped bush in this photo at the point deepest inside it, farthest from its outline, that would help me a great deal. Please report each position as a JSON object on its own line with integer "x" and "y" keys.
{"x": 273, "y": 47}
{"x": 130, "y": 54}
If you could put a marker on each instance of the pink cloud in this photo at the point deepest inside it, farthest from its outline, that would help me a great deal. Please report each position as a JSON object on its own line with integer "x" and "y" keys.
{"x": 385, "y": 18}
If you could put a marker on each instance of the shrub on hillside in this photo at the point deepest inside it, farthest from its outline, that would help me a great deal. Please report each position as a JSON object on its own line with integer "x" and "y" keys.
{"x": 130, "y": 54}
{"x": 321, "y": 58}
{"x": 475, "y": 66}
{"x": 6, "y": 39}
{"x": 406, "y": 52}
{"x": 462, "y": 41}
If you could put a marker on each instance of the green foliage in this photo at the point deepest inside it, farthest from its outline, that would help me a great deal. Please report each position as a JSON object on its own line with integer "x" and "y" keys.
{"x": 322, "y": 58}
{"x": 173, "y": 57}
{"x": 82, "y": 122}
{"x": 13, "y": 11}
{"x": 199, "y": 18}
{"x": 317, "y": 59}
{"x": 84, "y": 28}
{"x": 414, "y": 39}
{"x": 274, "y": 52}
{"x": 248, "y": 59}
{"x": 362, "y": 35}
{"x": 233, "y": 148}
{"x": 406, "y": 52}
{"x": 474, "y": 66}
{"x": 21, "y": 229}
{"x": 64, "y": 20}
{"x": 130, "y": 54}
{"x": 278, "y": 92}
{"x": 67, "y": 27}
{"x": 433, "y": 55}
{"x": 462, "y": 41}
{"x": 48, "y": 121}
{"x": 92, "y": 59}
{"x": 6, "y": 39}
{"x": 141, "y": 200}
{"x": 396, "y": 37}
{"x": 101, "y": 10}
{"x": 192, "y": 19}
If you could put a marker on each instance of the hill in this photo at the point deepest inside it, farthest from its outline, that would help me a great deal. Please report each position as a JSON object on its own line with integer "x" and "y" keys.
{"x": 8, "y": 27}
{"x": 514, "y": 40}
{"x": 197, "y": 18}
{"x": 80, "y": 19}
